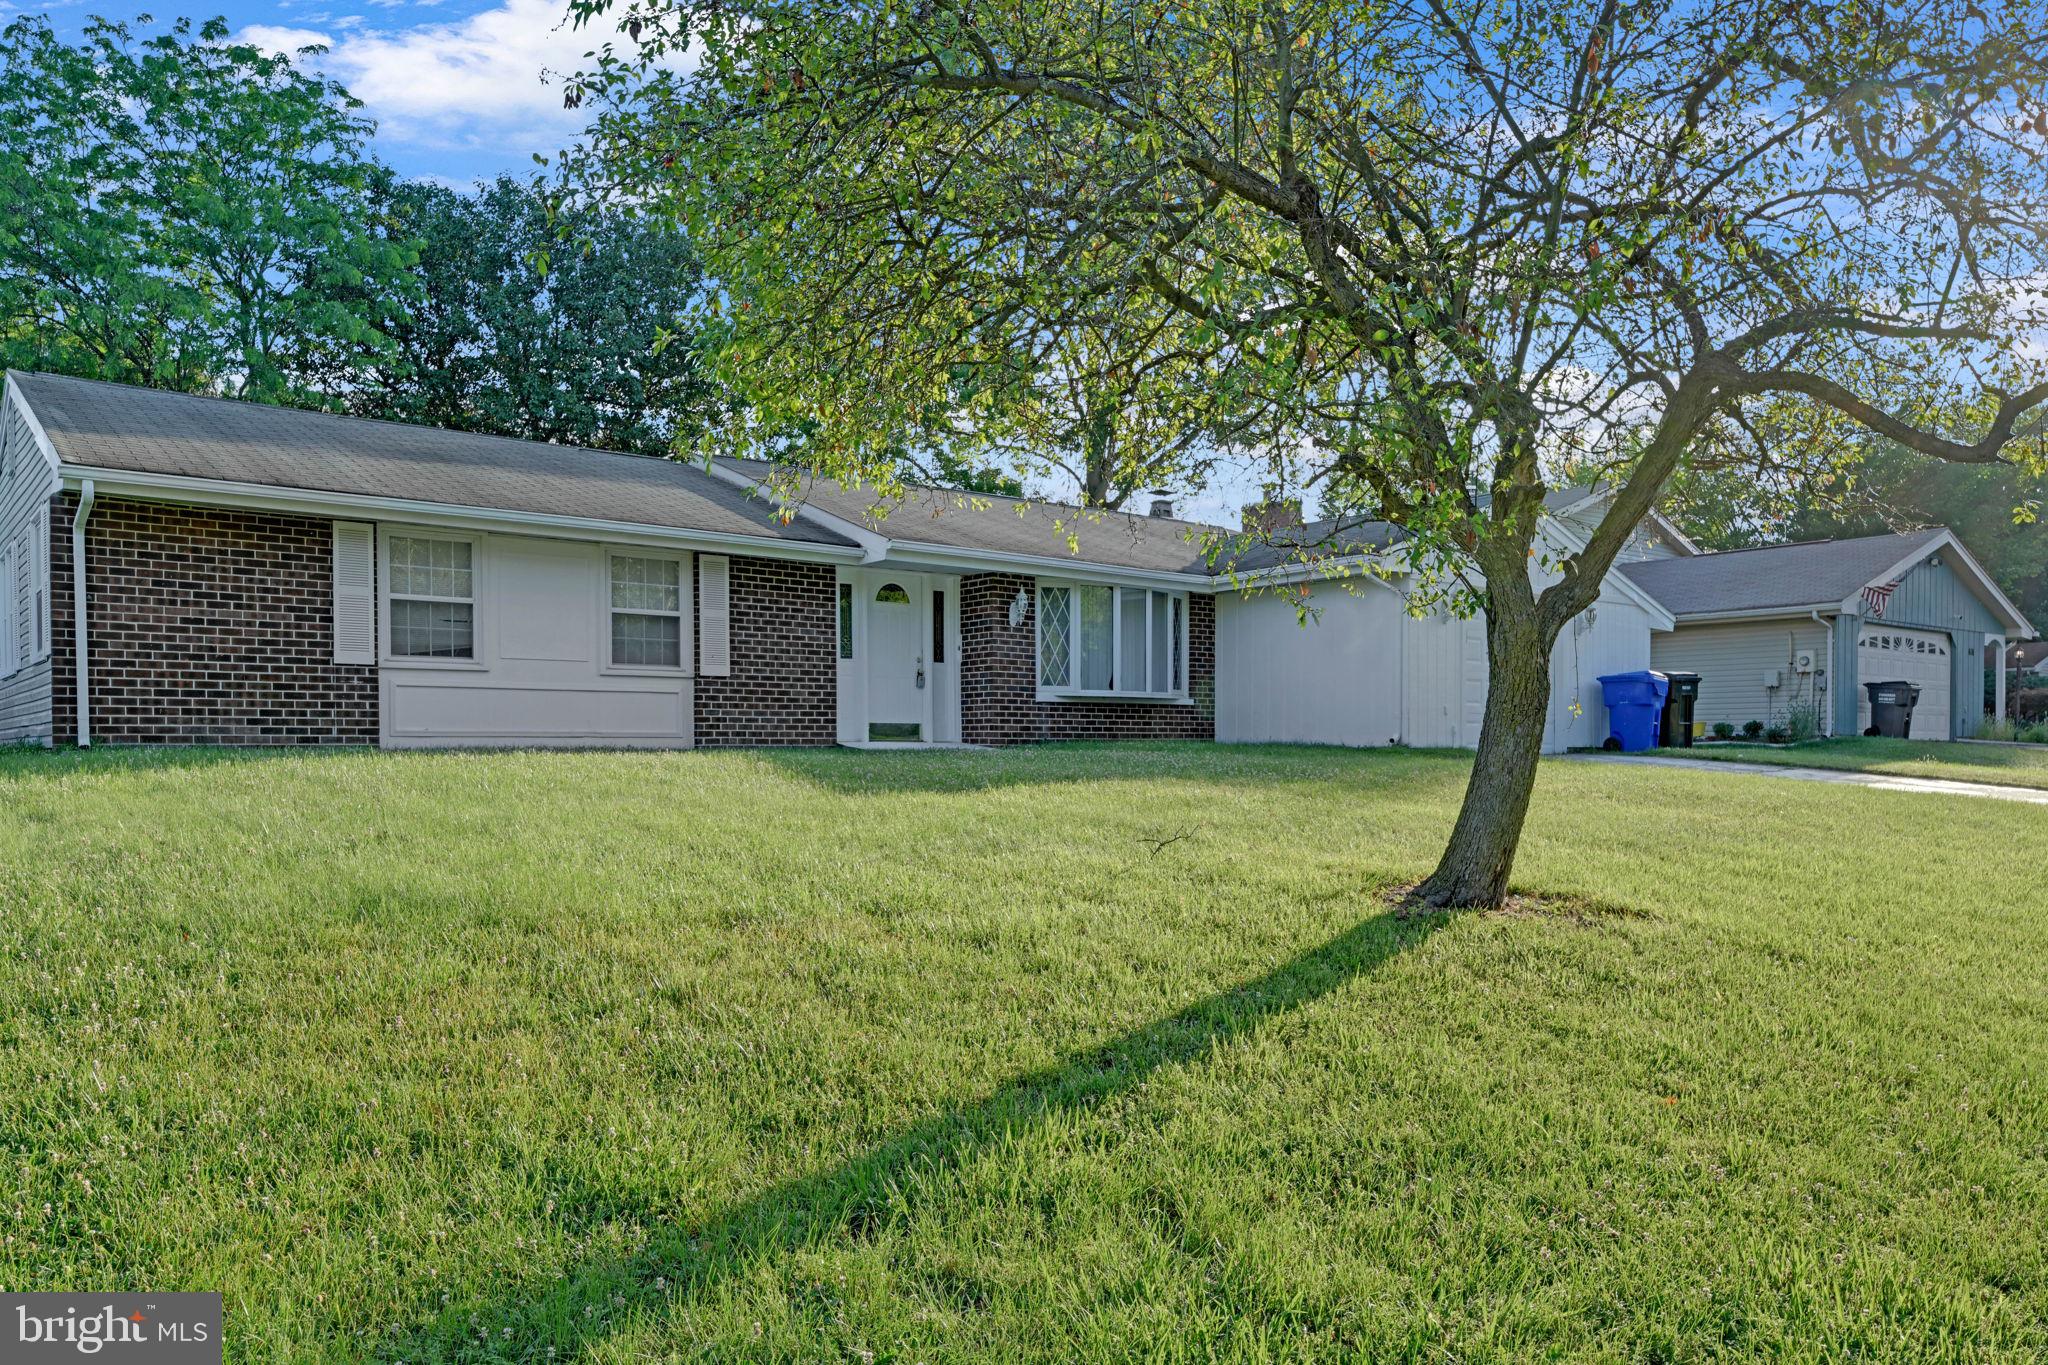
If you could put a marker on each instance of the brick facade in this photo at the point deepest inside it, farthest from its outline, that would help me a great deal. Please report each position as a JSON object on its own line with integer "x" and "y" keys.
{"x": 784, "y": 687}
{"x": 999, "y": 677}
{"x": 207, "y": 626}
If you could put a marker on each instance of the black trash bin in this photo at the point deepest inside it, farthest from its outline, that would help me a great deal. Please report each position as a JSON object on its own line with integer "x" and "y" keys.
{"x": 1891, "y": 708}
{"x": 1678, "y": 705}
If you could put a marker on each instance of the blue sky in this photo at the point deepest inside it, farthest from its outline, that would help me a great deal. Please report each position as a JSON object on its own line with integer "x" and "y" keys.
{"x": 460, "y": 89}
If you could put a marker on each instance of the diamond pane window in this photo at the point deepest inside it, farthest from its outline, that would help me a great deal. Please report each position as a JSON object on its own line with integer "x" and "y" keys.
{"x": 1055, "y": 629}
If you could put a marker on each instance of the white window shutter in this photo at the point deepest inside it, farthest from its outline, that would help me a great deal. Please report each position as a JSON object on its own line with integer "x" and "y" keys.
{"x": 714, "y": 616}
{"x": 355, "y": 593}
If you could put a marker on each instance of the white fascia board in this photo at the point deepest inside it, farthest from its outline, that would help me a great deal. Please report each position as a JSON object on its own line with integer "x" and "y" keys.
{"x": 1975, "y": 575}
{"x": 1670, "y": 528}
{"x": 362, "y": 507}
{"x": 874, "y": 545}
{"x": 19, "y": 400}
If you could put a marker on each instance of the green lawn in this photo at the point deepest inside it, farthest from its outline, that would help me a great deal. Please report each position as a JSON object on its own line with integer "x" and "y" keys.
{"x": 1087, "y": 1053}
{"x": 2003, "y": 765}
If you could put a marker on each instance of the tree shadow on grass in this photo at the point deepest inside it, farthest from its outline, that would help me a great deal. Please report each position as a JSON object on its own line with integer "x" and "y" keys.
{"x": 559, "y": 1317}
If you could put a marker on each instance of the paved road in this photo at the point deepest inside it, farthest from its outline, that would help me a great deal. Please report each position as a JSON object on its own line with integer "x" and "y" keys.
{"x": 1933, "y": 786}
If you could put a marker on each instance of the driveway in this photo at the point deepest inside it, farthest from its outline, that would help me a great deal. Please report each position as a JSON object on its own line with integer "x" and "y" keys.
{"x": 1932, "y": 786}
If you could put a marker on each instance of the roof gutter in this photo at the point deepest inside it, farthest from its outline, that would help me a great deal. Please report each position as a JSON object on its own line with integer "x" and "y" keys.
{"x": 1709, "y": 618}
{"x": 313, "y": 502}
{"x": 1827, "y": 717}
{"x": 78, "y": 653}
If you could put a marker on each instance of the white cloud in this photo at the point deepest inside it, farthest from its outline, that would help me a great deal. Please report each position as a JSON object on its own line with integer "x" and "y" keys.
{"x": 491, "y": 79}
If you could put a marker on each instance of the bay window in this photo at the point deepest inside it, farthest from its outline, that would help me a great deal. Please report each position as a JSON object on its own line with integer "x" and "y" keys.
{"x": 1094, "y": 639}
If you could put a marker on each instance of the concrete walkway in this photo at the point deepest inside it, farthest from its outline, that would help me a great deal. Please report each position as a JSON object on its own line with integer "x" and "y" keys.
{"x": 1931, "y": 786}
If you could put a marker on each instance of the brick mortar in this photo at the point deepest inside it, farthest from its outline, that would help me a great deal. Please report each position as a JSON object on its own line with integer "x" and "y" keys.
{"x": 999, "y": 676}
{"x": 784, "y": 686}
{"x": 206, "y": 626}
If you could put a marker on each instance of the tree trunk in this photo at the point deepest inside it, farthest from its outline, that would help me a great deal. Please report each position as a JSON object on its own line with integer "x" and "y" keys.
{"x": 1473, "y": 872}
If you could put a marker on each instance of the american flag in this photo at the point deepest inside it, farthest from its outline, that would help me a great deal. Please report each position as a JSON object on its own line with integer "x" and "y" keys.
{"x": 1876, "y": 598}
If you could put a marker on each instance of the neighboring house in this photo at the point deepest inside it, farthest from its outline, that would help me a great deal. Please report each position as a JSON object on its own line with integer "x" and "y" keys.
{"x": 1806, "y": 625}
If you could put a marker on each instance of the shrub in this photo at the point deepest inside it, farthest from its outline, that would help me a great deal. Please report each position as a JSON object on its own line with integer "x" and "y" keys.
{"x": 1723, "y": 730}
{"x": 1776, "y": 735}
{"x": 1751, "y": 729}
{"x": 1802, "y": 721}
{"x": 1999, "y": 728}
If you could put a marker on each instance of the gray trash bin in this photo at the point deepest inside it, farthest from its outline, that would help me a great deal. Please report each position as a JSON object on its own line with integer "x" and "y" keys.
{"x": 1891, "y": 708}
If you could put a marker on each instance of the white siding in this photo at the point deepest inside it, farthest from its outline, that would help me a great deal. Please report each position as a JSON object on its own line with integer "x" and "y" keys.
{"x": 27, "y": 482}
{"x": 1443, "y": 680}
{"x": 1732, "y": 659}
{"x": 1334, "y": 680}
{"x": 1614, "y": 637}
{"x": 1365, "y": 672}
{"x": 540, "y": 676}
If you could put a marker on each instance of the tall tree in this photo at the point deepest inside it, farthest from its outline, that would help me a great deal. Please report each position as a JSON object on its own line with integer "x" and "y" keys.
{"x": 184, "y": 210}
{"x": 539, "y": 317}
{"x": 1445, "y": 244}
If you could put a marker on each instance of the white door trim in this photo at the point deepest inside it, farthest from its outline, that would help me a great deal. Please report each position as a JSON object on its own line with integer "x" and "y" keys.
{"x": 866, "y": 583}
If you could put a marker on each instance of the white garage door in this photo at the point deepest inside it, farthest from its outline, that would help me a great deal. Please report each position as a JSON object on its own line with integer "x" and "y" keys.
{"x": 1894, "y": 654}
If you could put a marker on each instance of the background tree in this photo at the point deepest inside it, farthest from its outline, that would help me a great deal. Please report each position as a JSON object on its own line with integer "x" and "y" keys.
{"x": 1445, "y": 244}
{"x": 185, "y": 211}
{"x": 539, "y": 317}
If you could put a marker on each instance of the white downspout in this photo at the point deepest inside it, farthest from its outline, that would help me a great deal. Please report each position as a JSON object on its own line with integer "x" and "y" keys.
{"x": 1827, "y": 717}
{"x": 78, "y": 611}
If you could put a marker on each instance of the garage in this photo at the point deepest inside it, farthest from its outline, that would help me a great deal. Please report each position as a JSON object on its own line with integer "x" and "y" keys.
{"x": 1921, "y": 657}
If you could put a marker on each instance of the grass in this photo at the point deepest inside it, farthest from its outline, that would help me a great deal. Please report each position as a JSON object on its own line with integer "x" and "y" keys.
{"x": 2001, "y": 765}
{"x": 1066, "y": 1054}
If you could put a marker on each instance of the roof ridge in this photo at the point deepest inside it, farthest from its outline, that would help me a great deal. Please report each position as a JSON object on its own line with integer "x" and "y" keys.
{"x": 1798, "y": 544}
{"x": 1142, "y": 517}
{"x": 260, "y": 406}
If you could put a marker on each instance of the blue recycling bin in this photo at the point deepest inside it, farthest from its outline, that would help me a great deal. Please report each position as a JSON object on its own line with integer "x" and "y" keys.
{"x": 1635, "y": 707}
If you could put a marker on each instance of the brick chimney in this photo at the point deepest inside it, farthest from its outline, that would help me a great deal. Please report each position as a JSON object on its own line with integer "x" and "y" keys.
{"x": 1272, "y": 513}
{"x": 1162, "y": 502}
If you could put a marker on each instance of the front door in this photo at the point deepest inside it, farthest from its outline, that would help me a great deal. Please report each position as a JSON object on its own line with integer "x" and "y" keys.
{"x": 899, "y": 695}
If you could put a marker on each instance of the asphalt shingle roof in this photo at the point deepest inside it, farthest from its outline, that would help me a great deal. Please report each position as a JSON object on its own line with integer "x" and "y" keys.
{"x": 976, "y": 521}
{"x": 1791, "y": 576}
{"x": 123, "y": 427}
